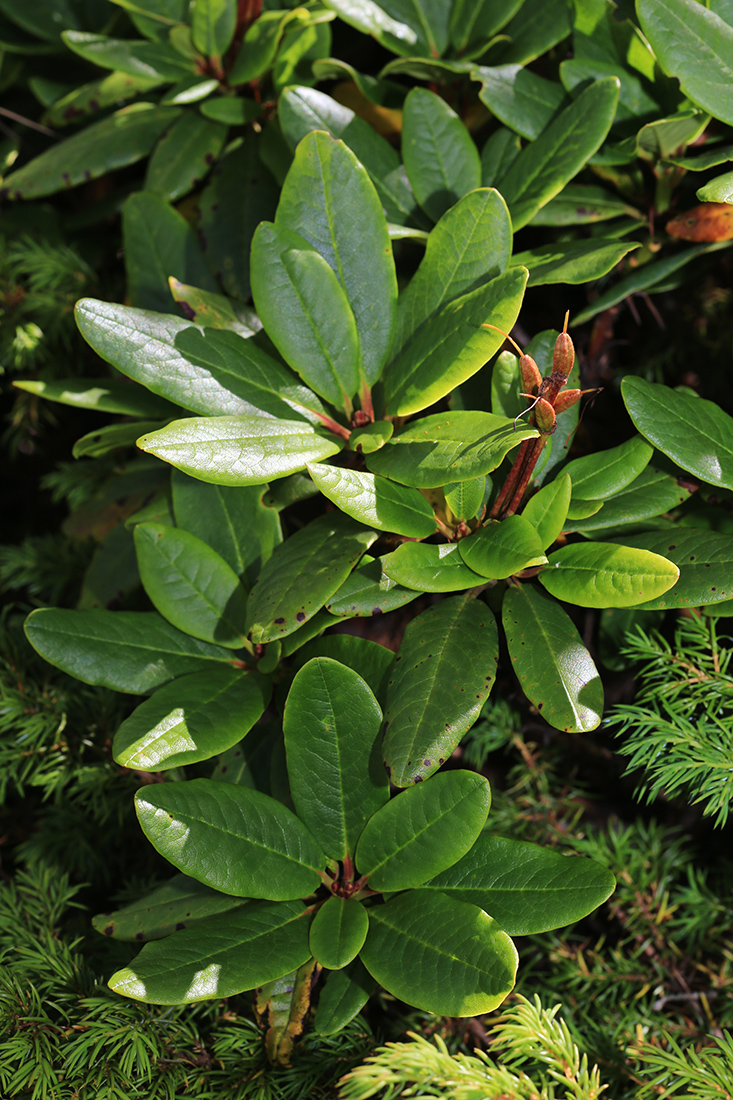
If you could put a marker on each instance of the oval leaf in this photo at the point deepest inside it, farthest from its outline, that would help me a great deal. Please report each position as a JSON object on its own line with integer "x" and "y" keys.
{"x": 177, "y": 904}
{"x": 608, "y": 472}
{"x": 338, "y": 932}
{"x": 600, "y": 574}
{"x": 430, "y": 568}
{"x": 653, "y": 493}
{"x": 342, "y": 998}
{"x": 441, "y": 159}
{"x": 369, "y": 591}
{"x": 498, "y": 550}
{"x": 376, "y": 501}
{"x": 547, "y": 510}
{"x": 705, "y": 562}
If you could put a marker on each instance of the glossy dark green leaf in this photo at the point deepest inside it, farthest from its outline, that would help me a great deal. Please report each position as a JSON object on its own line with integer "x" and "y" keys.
{"x": 441, "y": 678}
{"x": 368, "y": 591}
{"x": 259, "y": 47}
{"x": 553, "y": 666}
{"x": 310, "y": 630}
{"x": 302, "y": 110}
{"x": 306, "y": 312}
{"x": 131, "y": 651}
{"x": 572, "y": 261}
{"x": 696, "y": 46}
{"x": 212, "y": 310}
{"x": 375, "y": 501}
{"x": 500, "y": 150}
{"x": 220, "y": 956}
{"x": 342, "y": 998}
{"x": 472, "y": 24}
{"x": 239, "y": 450}
{"x": 536, "y": 28}
{"x": 212, "y": 27}
{"x": 705, "y": 562}
{"x": 232, "y": 521}
{"x": 652, "y": 493}
{"x": 371, "y": 661}
{"x": 428, "y": 568}
{"x": 542, "y": 169}
{"x": 205, "y": 371}
{"x": 158, "y": 243}
{"x": 524, "y": 887}
{"x": 606, "y": 473}
{"x": 240, "y": 194}
{"x": 424, "y": 830}
{"x": 231, "y": 838}
{"x": 520, "y": 99}
{"x": 190, "y": 585}
{"x": 96, "y": 96}
{"x": 332, "y": 725}
{"x": 184, "y": 155}
{"x": 446, "y": 957}
{"x": 441, "y": 159}
{"x": 694, "y": 433}
{"x": 194, "y": 718}
{"x": 448, "y": 447}
{"x": 303, "y": 573}
{"x": 110, "y": 395}
{"x": 469, "y": 246}
{"x": 338, "y": 932}
{"x": 451, "y": 346}
{"x": 498, "y": 550}
{"x": 547, "y": 510}
{"x": 177, "y": 904}
{"x": 123, "y": 138}
{"x": 126, "y": 55}
{"x": 600, "y": 574}
{"x": 329, "y": 199}
{"x": 231, "y": 110}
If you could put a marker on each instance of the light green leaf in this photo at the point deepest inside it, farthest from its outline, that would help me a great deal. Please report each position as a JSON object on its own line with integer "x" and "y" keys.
{"x": 554, "y": 668}
{"x": 114, "y": 436}
{"x": 332, "y": 725}
{"x": 375, "y": 501}
{"x": 220, "y": 956}
{"x": 177, "y": 904}
{"x": 498, "y": 550}
{"x": 442, "y": 676}
{"x": 526, "y": 888}
{"x": 441, "y": 159}
{"x": 239, "y": 450}
{"x": 368, "y": 591}
{"x": 194, "y": 718}
{"x": 130, "y": 651}
{"x": 606, "y": 473}
{"x": 303, "y": 573}
{"x": 212, "y": 27}
{"x": 464, "y": 498}
{"x": 231, "y": 838}
{"x": 719, "y": 189}
{"x": 371, "y": 437}
{"x": 430, "y": 568}
{"x": 110, "y": 395}
{"x": 572, "y": 261}
{"x": 600, "y": 574}
{"x": 694, "y": 433}
{"x": 338, "y": 932}
{"x": 184, "y": 155}
{"x": 446, "y": 957}
{"x": 212, "y": 310}
{"x": 423, "y": 830}
{"x": 547, "y": 510}
{"x": 705, "y": 562}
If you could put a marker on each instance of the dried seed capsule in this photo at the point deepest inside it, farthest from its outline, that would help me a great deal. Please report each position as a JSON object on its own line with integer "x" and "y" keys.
{"x": 563, "y": 356}
{"x": 543, "y": 416}
{"x": 531, "y": 377}
{"x": 565, "y": 400}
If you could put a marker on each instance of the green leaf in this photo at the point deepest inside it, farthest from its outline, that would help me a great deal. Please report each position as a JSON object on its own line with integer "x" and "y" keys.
{"x": 338, "y": 932}
{"x": 155, "y": 60}
{"x": 371, "y": 661}
{"x": 404, "y": 30}
{"x": 572, "y": 261}
{"x": 719, "y": 189}
{"x": 177, "y": 904}
{"x": 192, "y": 89}
{"x": 468, "y": 247}
{"x": 130, "y": 651}
{"x": 579, "y": 204}
{"x": 109, "y": 395}
{"x": 183, "y": 156}
{"x": 368, "y": 591}
{"x": 112, "y": 437}
{"x": 303, "y": 573}
{"x": 371, "y": 437}
{"x": 526, "y": 888}
{"x": 231, "y": 110}
{"x": 536, "y": 28}
{"x": 606, "y": 473}
{"x": 694, "y": 433}
{"x": 430, "y": 568}
{"x": 96, "y": 96}
{"x": 441, "y": 678}
{"x": 498, "y": 550}
{"x": 547, "y": 510}
{"x": 259, "y": 47}
{"x": 212, "y": 27}
{"x": 233, "y": 521}
{"x": 553, "y": 666}
{"x": 190, "y": 585}
{"x": 240, "y": 194}
{"x": 451, "y": 345}
{"x": 600, "y": 574}
{"x": 342, "y": 998}
{"x": 705, "y": 562}
{"x": 329, "y": 200}
{"x": 332, "y": 725}
{"x": 121, "y": 139}
{"x": 375, "y": 501}
{"x": 448, "y": 447}
{"x": 521, "y": 99}
{"x": 214, "y": 310}
{"x": 231, "y": 838}
{"x": 446, "y": 957}
{"x": 472, "y": 24}
{"x": 464, "y": 498}
{"x": 302, "y": 110}
{"x": 500, "y": 149}
{"x": 158, "y": 243}
{"x": 306, "y": 313}
{"x": 205, "y": 371}
{"x": 542, "y": 169}
{"x": 238, "y": 450}
{"x": 441, "y": 159}
{"x": 696, "y": 46}
{"x": 653, "y": 493}
{"x": 194, "y": 718}
{"x": 220, "y": 956}
{"x": 425, "y": 829}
